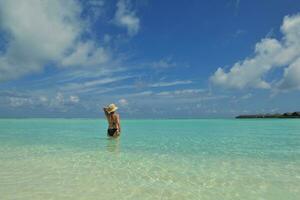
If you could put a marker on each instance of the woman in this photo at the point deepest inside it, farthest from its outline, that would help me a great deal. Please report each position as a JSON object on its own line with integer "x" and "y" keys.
{"x": 113, "y": 119}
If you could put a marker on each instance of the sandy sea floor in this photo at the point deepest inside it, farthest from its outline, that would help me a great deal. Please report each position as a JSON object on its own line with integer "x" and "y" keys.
{"x": 153, "y": 159}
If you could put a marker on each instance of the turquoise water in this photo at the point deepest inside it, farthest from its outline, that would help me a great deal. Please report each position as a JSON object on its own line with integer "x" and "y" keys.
{"x": 153, "y": 159}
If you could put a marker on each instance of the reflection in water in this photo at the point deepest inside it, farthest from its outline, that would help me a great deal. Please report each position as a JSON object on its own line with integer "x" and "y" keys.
{"x": 113, "y": 145}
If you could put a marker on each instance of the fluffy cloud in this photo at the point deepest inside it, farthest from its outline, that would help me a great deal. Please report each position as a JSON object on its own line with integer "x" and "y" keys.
{"x": 74, "y": 99}
{"x": 19, "y": 101}
{"x": 38, "y": 32}
{"x": 291, "y": 77}
{"x": 94, "y": 7}
{"x": 123, "y": 102}
{"x": 127, "y": 18}
{"x": 59, "y": 100}
{"x": 86, "y": 54}
{"x": 269, "y": 54}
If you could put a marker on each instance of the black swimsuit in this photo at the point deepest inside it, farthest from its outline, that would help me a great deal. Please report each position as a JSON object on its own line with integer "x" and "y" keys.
{"x": 112, "y": 131}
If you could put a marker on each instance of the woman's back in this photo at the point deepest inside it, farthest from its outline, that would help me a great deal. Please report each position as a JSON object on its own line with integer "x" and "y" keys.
{"x": 113, "y": 120}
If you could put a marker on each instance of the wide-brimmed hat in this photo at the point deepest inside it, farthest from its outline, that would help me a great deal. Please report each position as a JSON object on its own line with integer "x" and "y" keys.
{"x": 111, "y": 108}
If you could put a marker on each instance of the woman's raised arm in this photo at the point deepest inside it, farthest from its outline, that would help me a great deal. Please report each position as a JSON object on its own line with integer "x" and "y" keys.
{"x": 105, "y": 112}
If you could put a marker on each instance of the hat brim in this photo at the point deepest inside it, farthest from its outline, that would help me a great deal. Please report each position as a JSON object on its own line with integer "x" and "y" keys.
{"x": 112, "y": 110}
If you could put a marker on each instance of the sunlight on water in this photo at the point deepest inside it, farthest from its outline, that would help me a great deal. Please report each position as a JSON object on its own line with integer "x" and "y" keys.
{"x": 154, "y": 159}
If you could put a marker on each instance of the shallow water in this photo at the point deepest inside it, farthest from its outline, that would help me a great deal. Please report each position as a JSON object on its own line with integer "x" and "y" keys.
{"x": 153, "y": 159}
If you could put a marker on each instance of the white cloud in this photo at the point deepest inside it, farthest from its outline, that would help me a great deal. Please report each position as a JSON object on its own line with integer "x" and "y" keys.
{"x": 81, "y": 74}
{"x": 164, "y": 63}
{"x": 95, "y": 7}
{"x": 165, "y": 84}
{"x": 43, "y": 99}
{"x": 102, "y": 90}
{"x": 291, "y": 77}
{"x": 91, "y": 83}
{"x": 123, "y": 102}
{"x": 19, "y": 101}
{"x": 269, "y": 54}
{"x": 181, "y": 92}
{"x": 145, "y": 93}
{"x": 125, "y": 17}
{"x": 105, "y": 81}
{"x": 39, "y": 32}
{"x": 59, "y": 98}
{"x": 74, "y": 99}
{"x": 86, "y": 54}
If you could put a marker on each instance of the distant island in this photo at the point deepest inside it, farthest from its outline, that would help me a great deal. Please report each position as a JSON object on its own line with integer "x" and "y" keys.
{"x": 277, "y": 115}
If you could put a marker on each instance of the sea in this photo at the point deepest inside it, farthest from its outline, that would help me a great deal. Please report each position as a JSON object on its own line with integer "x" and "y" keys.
{"x": 201, "y": 159}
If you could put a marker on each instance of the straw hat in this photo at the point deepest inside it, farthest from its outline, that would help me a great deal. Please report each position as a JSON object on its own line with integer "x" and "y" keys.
{"x": 111, "y": 108}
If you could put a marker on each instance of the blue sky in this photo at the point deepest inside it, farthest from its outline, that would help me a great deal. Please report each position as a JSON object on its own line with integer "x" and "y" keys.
{"x": 154, "y": 59}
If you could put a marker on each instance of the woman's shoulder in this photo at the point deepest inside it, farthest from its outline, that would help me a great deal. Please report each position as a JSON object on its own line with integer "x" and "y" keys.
{"x": 116, "y": 115}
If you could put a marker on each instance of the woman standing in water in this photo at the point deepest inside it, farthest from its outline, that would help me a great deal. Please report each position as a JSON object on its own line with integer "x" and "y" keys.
{"x": 113, "y": 119}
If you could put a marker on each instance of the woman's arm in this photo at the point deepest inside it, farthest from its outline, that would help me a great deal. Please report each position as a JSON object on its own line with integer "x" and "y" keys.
{"x": 106, "y": 113}
{"x": 118, "y": 123}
